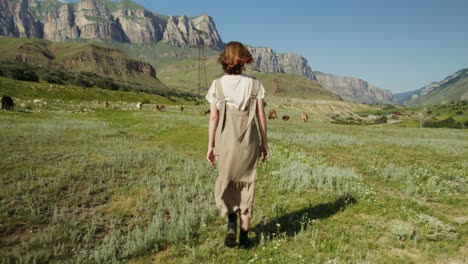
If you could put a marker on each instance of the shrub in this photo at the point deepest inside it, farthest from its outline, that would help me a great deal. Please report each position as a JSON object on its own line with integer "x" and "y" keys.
{"x": 434, "y": 229}
{"x": 20, "y": 72}
{"x": 84, "y": 82}
{"x": 402, "y": 230}
{"x": 56, "y": 76}
{"x": 449, "y": 122}
{"x": 106, "y": 83}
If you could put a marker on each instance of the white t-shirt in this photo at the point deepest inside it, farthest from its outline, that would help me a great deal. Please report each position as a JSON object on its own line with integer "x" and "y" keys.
{"x": 236, "y": 89}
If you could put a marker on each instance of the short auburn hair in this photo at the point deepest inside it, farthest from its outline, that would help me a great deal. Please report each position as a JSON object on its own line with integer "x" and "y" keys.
{"x": 234, "y": 58}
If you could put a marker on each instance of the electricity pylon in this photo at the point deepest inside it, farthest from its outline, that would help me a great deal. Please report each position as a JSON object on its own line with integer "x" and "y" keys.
{"x": 202, "y": 75}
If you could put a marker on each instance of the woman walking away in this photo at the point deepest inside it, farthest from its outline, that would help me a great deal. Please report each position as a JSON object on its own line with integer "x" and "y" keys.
{"x": 234, "y": 141}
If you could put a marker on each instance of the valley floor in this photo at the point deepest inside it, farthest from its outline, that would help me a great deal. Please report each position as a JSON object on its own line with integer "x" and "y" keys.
{"x": 87, "y": 184}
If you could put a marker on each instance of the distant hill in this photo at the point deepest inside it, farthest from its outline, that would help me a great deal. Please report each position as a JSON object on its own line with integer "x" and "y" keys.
{"x": 107, "y": 62}
{"x": 452, "y": 88}
{"x": 404, "y": 96}
{"x": 354, "y": 89}
{"x": 183, "y": 75}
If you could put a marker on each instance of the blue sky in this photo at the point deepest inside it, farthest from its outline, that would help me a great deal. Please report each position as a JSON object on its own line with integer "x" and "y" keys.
{"x": 397, "y": 45}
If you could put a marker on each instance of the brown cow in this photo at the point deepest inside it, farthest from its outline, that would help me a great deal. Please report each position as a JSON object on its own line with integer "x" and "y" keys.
{"x": 7, "y": 103}
{"x": 272, "y": 114}
{"x": 161, "y": 107}
{"x": 304, "y": 117}
{"x": 285, "y": 117}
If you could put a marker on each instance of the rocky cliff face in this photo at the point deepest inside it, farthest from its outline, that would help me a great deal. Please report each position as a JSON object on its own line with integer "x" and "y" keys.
{"x": 140, "y": 26}
{"x": 17, "y": 21}
{"x": 267, "y": 60}
{"x": 354, "y": 89}
{"x": 60, "y": 24}
{"x": 126, "y": 21}
{"x": 197, "y": 31}
{"x": 93, "y": 19}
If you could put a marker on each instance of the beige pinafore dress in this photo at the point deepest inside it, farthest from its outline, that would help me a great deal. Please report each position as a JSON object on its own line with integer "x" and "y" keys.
{"x": 237, "y": 146}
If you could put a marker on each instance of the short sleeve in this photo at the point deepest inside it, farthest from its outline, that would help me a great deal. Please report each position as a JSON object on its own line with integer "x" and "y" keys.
{"x": 211, "y": 95}
{"x": 261, "y": 91}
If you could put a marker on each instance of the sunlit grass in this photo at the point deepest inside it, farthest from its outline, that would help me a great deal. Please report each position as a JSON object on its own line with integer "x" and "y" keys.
{"x": 119, "y": 185}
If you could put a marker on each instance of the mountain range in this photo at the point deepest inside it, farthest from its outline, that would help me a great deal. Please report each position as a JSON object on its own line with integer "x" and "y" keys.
{"x": 354, "y": 89}
{"x": 452, "y": 88}
{"x": 127, "y": 22}
{"x": 163, "y": 41}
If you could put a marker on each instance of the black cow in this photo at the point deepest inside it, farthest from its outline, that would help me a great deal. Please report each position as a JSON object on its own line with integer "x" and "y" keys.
{"x": 7, "y": 103}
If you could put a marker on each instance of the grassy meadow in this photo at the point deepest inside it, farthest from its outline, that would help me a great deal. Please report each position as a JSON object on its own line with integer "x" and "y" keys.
{"x": 87, "y": 184}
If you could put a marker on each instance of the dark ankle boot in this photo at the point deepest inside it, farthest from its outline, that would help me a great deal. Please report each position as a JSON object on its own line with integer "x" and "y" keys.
{"x": 230, "y": 240}
{"x": 244, "y": 240}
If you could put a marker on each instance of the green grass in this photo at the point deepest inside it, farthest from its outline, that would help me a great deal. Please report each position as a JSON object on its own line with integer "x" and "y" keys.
{"x": 27, "y": 91}
{"x": 85, "y": 184}
{"x": 458, "y": 110}
{"x": 99, "y": 19}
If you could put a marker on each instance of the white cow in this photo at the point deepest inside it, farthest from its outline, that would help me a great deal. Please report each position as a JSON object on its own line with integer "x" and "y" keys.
{"x": 139, "y": 105}
{"x": 40, "y": 102}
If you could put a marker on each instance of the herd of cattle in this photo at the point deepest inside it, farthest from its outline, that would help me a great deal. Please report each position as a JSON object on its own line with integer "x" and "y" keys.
{"x": 8, "y": 104}
{"x": 139, "y": 106}
{"x": 272, "y": 115}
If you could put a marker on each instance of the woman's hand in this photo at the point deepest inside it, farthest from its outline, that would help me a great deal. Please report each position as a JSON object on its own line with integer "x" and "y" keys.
{"x": 265, "y": 151}
{"x": 210, "y": 156}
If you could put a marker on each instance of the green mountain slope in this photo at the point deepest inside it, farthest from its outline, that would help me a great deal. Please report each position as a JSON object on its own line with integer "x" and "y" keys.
{"x": 76, "y": 58}
{"x": 158, "y": 54}
{"x": 183, "y": 75}
{"x": 452, "y": 88}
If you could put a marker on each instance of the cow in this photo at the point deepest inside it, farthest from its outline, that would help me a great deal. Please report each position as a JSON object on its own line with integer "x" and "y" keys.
{"x": 161, "y": 107}
{"x": 304, "y": 117}
{"x": 139, "y": 105}
{"x": 207, "y": 112}
{"x": 285, "y": 117}
{"x": 272, "y": 114}
{"x": 105, "y": 104}
{"x": 40, "y": 102}
{"x": 7, "y": 103}
{"x": 181, "y": 108}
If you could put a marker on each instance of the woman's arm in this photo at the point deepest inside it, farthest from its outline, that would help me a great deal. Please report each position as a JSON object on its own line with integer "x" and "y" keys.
{"x": 213, "y": 124}
{"x": 265, "y": 150}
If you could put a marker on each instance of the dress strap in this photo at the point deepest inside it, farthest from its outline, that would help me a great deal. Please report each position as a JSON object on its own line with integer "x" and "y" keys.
{"x": 252, "y": 107}
{"x": 222, "y": 99}
{"x": 254, "y": 92}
